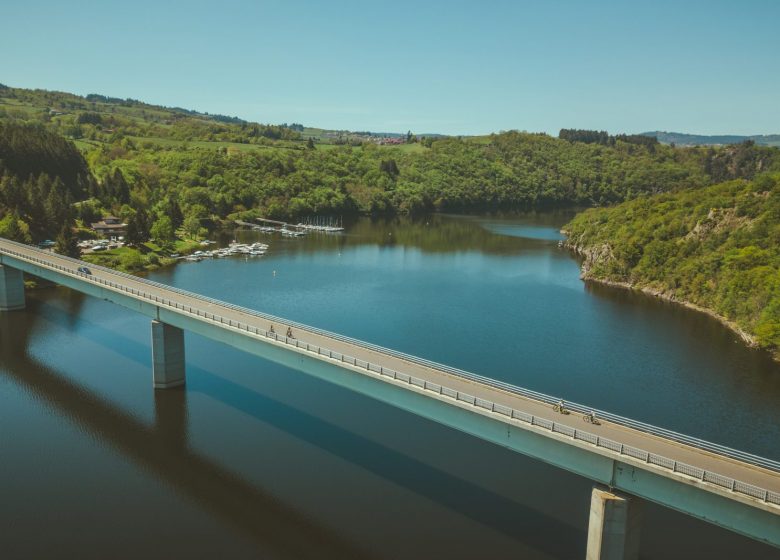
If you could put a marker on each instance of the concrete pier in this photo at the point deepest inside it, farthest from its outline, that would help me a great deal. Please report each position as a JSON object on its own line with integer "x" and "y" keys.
{"x": 167, "y": 355}
{"x": 614, "y": 526}
{"x": 11, "y": 289}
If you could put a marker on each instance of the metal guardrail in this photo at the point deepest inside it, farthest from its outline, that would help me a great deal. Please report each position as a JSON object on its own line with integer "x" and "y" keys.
{"x": 486, "y": 405}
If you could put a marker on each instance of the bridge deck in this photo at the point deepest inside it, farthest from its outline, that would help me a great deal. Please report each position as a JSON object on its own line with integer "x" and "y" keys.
{"x": 710, "y": 461}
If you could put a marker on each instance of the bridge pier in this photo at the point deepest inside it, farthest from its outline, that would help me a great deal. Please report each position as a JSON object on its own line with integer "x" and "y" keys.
{"x": 167, "y": 355}
{"x": 614, "y": 526}
{"x": 11, "y": 289}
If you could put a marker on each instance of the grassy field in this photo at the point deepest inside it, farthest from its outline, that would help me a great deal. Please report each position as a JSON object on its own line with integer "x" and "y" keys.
{"x": 316, "y": 133}
{"x": 14, "y": 107}
{"x": 408, "y": 148}
{"x": 148, "y": 256}
{"x": 403, "y": 148}
{"x": 35, "y": 105}
{"x": 170, "y": 142}
{"x": 322, "y": 146}
{"x": 85, "y": 145}
{"x": 278, "y": 145}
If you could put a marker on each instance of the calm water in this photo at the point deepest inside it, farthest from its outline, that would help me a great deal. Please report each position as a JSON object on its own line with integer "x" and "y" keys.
{"x": 255, "y": 460}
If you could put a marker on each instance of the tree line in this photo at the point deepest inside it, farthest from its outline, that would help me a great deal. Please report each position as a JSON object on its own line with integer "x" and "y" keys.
{"x": 604, "y": 138}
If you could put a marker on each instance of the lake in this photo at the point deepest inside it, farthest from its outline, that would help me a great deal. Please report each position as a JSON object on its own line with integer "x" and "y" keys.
{"x": 255, "y": 460}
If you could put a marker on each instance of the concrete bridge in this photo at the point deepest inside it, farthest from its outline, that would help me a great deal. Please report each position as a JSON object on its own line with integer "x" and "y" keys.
{"x": 628, "y": 460}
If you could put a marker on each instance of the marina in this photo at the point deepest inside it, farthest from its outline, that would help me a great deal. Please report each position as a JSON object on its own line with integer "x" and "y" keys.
{"x": 322, "y": 224}
{"x": 317, "y": 224}
{"x": 241, "y": 249}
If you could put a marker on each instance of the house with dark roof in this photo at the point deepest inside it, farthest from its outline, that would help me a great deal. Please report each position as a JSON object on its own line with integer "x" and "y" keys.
{"x": 110, "y": 225}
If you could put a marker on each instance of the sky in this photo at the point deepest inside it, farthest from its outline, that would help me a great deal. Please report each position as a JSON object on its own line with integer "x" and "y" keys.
{"x": 452, "y": 67}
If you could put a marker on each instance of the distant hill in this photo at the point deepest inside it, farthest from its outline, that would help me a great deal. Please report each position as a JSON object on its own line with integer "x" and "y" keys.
{"x": 682, "y": 139}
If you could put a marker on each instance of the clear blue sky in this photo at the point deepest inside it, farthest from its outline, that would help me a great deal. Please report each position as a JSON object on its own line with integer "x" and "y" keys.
{"x": 430, "y": 66}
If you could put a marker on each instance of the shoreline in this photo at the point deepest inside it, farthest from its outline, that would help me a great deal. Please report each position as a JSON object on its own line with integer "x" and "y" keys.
{"x": 746, "y": 337}
{"x": 589, "y": 256}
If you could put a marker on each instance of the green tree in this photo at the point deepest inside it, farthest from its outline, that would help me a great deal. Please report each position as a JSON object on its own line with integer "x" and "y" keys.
{"x": 89, "y": 211}
{"x": 117, "y": 188}
{"x": 162, "y": 229}
{"x": 390, "y": 167}
{"x": 131, "y": 261}
{"x": 57, "y": 206}
{"x": 12, "y": 192}
{"x": 67, "y": 243}
{"x": 192, "y": 225}
{"x": 10, "y": 229}
{"x": 177, "y": 218}
{"x": 138, "y": 227}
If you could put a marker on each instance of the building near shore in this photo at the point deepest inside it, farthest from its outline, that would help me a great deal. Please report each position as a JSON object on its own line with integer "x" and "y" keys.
{"x": 110, "y": 226}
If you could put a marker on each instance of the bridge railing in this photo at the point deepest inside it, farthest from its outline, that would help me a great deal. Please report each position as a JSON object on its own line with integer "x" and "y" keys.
{"x": 459, "y": 396}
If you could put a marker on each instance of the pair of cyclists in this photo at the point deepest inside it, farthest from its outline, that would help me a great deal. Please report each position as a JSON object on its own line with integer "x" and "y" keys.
{"x": 588, "y": 417}
{"x": 289, "y": 331}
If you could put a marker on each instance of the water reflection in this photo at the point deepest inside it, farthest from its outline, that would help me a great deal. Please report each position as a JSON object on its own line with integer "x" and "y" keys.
{"x": 162, "y": 450}
{"x": 439, "y": 233}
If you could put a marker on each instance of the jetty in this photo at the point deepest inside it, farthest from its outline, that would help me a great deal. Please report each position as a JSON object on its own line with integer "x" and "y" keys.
{"x": 316, "y": 224}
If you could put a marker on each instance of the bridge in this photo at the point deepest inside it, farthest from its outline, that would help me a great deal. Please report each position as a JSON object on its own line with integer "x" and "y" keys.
{"x": 628, "y": 460}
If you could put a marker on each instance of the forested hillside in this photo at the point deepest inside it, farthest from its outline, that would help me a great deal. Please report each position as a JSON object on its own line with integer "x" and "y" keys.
{"x": 41, "y": 176}
{"x": 171, "y": 172}
{"x": 32, "y": 150}
{"x": 717, "y": 247}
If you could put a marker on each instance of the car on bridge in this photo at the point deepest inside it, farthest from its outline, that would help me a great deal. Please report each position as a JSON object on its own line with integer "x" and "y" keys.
{"x": 85, "y": 270}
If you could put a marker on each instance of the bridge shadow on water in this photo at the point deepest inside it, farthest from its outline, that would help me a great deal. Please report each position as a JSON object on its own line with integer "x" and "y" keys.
{"x": 163, "y": 450}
